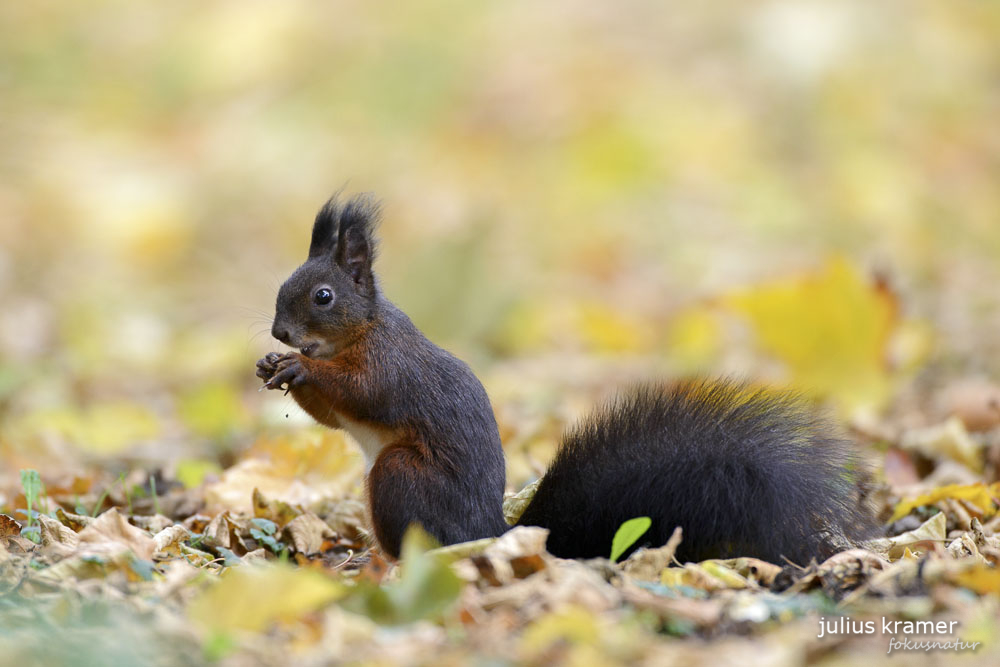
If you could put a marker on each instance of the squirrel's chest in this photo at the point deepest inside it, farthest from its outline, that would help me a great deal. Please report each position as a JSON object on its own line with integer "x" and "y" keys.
{"x": 371, "y": 439}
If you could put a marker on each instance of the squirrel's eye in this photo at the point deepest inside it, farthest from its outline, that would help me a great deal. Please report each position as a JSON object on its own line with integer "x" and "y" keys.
{"x": 323, "y": 296}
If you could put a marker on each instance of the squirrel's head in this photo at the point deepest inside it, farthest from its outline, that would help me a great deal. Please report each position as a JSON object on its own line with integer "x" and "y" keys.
{"x": 324, "y": 303}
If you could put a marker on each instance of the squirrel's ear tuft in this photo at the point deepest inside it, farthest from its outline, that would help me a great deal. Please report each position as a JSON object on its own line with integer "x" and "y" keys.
{"x": 324, "y": 234}
{"x": 356, "y": 241}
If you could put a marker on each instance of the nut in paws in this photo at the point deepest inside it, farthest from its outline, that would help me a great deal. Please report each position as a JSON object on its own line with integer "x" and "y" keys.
{"x": 267, "y": 366}
{"x": 289, "y": 371}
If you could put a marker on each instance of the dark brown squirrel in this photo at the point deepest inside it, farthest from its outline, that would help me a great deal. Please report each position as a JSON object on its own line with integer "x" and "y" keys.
{"x": 743, "y": 472}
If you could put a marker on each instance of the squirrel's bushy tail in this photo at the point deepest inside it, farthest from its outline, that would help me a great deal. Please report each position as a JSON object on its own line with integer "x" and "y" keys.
{"x": 743, "y": 471}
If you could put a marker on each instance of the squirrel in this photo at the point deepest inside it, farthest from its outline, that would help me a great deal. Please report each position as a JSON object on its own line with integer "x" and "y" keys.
{"x": 742, "y": 471}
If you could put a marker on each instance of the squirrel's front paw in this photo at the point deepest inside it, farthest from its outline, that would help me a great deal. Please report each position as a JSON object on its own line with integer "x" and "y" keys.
{"x": 289, "y": 370}
{"x": 268, "y": 366}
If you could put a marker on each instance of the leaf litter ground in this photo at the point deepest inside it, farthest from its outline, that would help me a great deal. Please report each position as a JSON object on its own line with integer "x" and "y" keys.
{"x": 179, "y": 577}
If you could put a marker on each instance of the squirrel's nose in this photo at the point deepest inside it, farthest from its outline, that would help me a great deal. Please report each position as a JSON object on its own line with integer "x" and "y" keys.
{"x": 280, "y": 333}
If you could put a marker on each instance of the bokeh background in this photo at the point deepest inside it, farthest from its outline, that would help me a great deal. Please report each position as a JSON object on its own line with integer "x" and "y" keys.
{"x": 562, "y": 182}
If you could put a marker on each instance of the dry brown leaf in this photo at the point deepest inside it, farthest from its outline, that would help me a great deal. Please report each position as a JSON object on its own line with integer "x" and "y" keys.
{"x": 465, "y": 549}
{"x": 152, "y": 524}
{"x": 499, "y": 560}
{"x": 975, "y": 401}
{"x": 75, "y": 521}
{"x": 8, "y": 526}
{"x": 169, "y": 539}
{"x": 111, "y": 534}
{"x": 519, "y": 541}
{"x": 755, "y": 569}
{"x": 54, "y": 534}
{"x": 346, "y": 516}
{"x": 563, "y": 582}
{"x": 514, "y": 506}
{"x": 647, "y": 564}
{"x": 234, "y": 490}
{"x": 197, "y": 523}
{"x": 525, "y": 566}
{"x": 930, "y": 532}
{"x": 220, "y": 531}
{"x": 948, "y": 440}
{"x": 307, "y": 533}
{"x": 702, "y": 613}
{"x": 256, "y": 556}
{"x": 277, "y": 511}
{"x": 851, "y": 556}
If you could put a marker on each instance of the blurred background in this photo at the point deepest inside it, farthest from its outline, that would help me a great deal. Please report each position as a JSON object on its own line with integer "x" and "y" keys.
{"x": 575, "y": 194}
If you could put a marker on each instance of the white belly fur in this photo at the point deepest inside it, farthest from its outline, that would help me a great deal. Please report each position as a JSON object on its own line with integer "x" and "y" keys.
{"x": 371, "y": 440}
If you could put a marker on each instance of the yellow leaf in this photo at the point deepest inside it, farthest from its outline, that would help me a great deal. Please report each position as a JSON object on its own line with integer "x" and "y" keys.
{"x": 709, "y": 575}
{"x": 255, "y": 597}
{"x": 213, "y": 410}
{"x": 724, "y": 573}
{"x": 106, "y": 428}
{"x": 574, "y": 625}
{"x": 931, "y": 531}
{"x": 978, "y": 494}
{"x": 192, "y": 472}
{"x": 672, "y": 576}
{"x": 525, "y": 327}
{"x": 608, "y": 330}
{"x": 946, "y": 440}
{"x": 695, "y": 338}
{"x": 831, "y": 330}
{"x": 302, "y": 468}
{"x": 319, "y": 451}
{"x": 982, "y": 579}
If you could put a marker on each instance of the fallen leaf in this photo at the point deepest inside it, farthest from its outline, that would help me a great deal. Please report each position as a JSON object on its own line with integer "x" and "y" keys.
{"x": 930, "y": 532}
{"x": 974, "y": 401}
{"x": 8, "y": 526}
{"x": 219, "y": 531}
{"x": 10, "y": 536}
{"x": 105, "y": 428}
{"x": 979, "y": 495}
{"x": 307, "y": 533}
{"x": 252, "y": 598}
{"x": 514, "y": 506}
{"x": 152, "y": 524}
{"x": 54, "y": 533}
{"x": 518, "y": 542}
{"x": 573, "y": 624}
{"x": 832, "y": 330}
{"x": 426, "y": 587}
{"x": 169, "y": 539}
{"x": 212, "y": 410}
{"x": 647, "y": 564}
{"x": 627, "y": 534}
{"x": 193, "y": 472}
{"x": 981, "y": 580}
{"x": 709, "y": 575}
{"x": 274, "y": 510}
{"x": 75, "y": 521}
{"x": 234, "y": 489}
{"x": 755, "y": 569}
{"x": 948, "y": 440}
{"x": 111, "y": 534}
{"x": 607, "y": 329}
